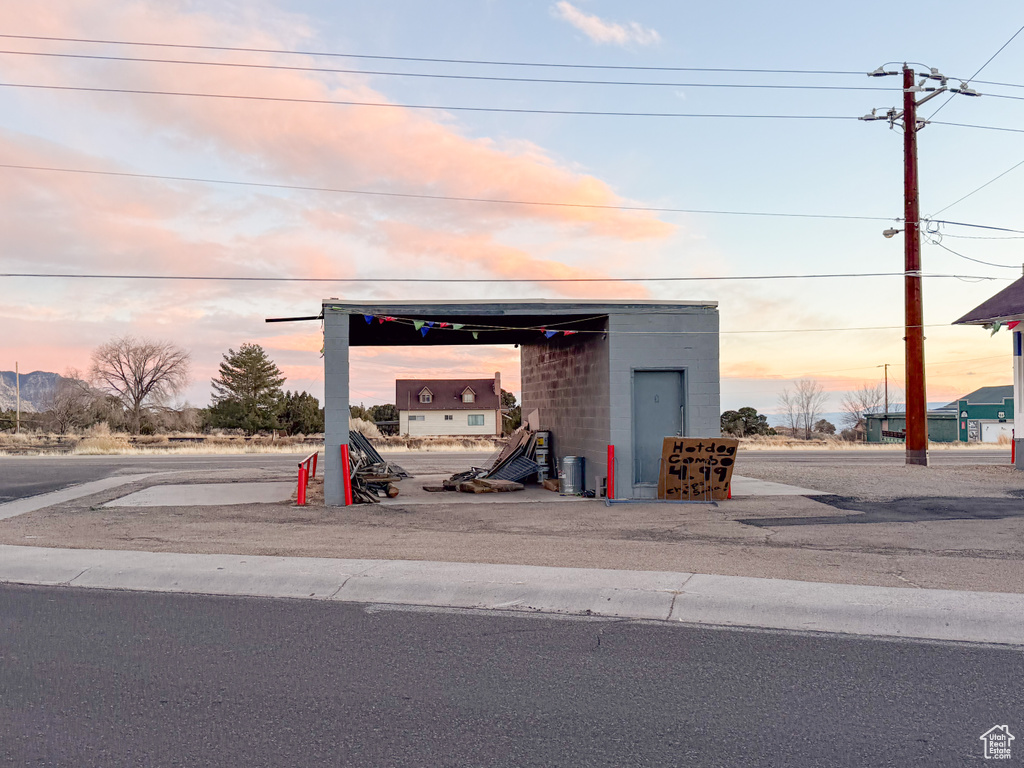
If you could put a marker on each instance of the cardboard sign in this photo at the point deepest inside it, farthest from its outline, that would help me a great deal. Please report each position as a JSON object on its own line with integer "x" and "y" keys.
{"x": 696, "y": 468}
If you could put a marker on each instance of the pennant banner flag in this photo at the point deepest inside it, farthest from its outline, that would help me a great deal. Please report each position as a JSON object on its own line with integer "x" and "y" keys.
{"x": 569, "y": 333}
{"x": 458, "y": 326}
{"x": 476, "y": 335}
{"x": 549, "y": 334}
{"x": 443, "y": 325}
{"x": 417, "y": 324}
{"x": 368, "y": 319}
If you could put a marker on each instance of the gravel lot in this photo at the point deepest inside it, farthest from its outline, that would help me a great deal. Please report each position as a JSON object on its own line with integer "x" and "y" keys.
{"x": 906, "y": 543}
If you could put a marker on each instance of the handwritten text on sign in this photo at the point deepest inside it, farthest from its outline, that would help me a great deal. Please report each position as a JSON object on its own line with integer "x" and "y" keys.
{"x": 696, "y": 467}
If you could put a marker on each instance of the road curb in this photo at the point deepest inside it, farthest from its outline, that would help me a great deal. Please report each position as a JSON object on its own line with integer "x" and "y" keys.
{"x": 986, "y": 617}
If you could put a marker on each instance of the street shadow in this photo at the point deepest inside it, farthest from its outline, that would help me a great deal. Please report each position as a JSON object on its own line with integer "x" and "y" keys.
{"x": 913, "y": 509}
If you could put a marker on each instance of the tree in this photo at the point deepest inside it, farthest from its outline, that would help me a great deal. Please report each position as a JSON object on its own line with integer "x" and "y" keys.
{"x": 139, "y": 372}
{"x": 247, "y": 391}
{"x": 802, "y": 406}
{"x": 824, "y": 427}
{"x": 382, "y": 413}
{"x": 69, "y": 403}
{"x": 386, "y": 412}
{"x": 302, "y": 414}
{"x": 745, "y": 422}
{"x": 857, "y": 404}
{"x": 511, "y": 413}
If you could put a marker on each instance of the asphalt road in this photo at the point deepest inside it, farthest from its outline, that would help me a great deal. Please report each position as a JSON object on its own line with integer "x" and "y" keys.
{"x": 95, "y": 678}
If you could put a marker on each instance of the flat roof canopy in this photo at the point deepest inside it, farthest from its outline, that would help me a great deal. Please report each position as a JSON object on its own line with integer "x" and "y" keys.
{"x": 487, "y": 322}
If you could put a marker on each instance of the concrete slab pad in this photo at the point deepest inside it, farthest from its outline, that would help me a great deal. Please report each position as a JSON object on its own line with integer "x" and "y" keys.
{"x": 43, "y": 500}
{"x": 206, "y": 495}
{"x": 410, "y": 492}
{"x": 750, "y": 486}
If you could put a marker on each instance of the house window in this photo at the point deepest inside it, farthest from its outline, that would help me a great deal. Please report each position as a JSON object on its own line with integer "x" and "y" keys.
{"x": 449, "y": 417}
{"x": 421, "y": 417}
{"x": 425, "y": 397}
{"x": 476, "y": 419}
{"x": 468, "y": 396}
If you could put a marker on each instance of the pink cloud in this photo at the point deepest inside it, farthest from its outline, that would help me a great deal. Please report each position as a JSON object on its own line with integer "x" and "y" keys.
{"x": 379, "y": 148}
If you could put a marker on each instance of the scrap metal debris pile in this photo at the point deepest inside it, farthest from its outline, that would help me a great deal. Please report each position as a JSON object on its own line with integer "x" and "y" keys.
{"x": 516, "y": 462}
{"x": 372, "y": 476}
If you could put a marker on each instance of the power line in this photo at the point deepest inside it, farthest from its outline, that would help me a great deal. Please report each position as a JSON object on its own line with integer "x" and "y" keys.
{"x": 966, "y": 82}
{"x": 472, "y": 280}
{"x": 447, "y": 198}
{"x": 463, "y": 199}
{"x": 980, "y": 127}
{"x": 330, "y": 70}
{"x": 968, "y": 258}
{"x": 337, "y": 102}
{"x": 974, "y": 226}
{"x": 960, "y": 200}
{"x": 434, "y": 60}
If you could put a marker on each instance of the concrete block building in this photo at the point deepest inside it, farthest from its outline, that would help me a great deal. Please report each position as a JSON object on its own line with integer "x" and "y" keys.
{"x": 597, "y": 373}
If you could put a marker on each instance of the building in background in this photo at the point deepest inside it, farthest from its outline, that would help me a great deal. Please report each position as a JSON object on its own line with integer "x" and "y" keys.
{"x": 1006, "y": 308}
{"x": 983, "y": 416}
{"x": 449, "y": 406}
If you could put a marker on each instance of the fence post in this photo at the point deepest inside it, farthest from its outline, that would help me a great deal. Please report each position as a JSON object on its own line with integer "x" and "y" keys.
{"x": 303, "y": 479}
{"x": 346, "y": 474}
{"x": 314, "y": 465}
{"x": 611, "y": 472}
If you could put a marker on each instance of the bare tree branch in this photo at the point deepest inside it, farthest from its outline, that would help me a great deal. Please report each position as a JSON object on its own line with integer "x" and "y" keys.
{"x": 803, "y": 405}
{"x": 139, "y": 372}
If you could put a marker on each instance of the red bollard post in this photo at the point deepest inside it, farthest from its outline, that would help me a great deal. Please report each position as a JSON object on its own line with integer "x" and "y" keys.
{"x": 1013, "y": 446}
{"x": 303, "y": 479}
{"x": 611, "y": 472}
{"x": 313, "y": 475}
{"x": 346, "y": 474}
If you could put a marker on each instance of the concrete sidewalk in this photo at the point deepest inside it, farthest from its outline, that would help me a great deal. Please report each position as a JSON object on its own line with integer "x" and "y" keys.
{"x": 653, "y": 595}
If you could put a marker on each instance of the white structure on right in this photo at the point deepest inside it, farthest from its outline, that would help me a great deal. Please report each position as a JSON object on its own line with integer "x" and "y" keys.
{"x": 1006, "y": 308}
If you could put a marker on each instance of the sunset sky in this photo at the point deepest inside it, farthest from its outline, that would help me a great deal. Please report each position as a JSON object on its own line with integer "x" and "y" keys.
{"x": 837, "y": 330}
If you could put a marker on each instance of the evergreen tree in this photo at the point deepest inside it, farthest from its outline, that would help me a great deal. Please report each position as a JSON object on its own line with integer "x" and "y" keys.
{"x": 247, "y": 391}
{"x": 302, "y": 414}
{"x": 745, "y": 422}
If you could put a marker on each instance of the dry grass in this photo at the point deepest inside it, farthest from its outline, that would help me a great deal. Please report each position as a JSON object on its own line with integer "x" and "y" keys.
{"x": 103, "y": 445}
{"x": 364, "y": 427}
{"x": 438, "y": 444}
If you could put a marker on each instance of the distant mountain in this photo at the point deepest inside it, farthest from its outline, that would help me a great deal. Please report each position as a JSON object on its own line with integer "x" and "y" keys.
{"x": 36, "y": 389}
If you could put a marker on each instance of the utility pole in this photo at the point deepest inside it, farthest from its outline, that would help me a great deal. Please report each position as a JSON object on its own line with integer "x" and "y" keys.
{"x": 917, "y": 399}
{"x": 17, "y": 409}
{"x": 886, "y": 367}
{"x": 916, "y": 395}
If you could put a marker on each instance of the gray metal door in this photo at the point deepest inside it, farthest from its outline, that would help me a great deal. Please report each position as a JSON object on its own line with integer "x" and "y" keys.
{"x": 657, "y": 414}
